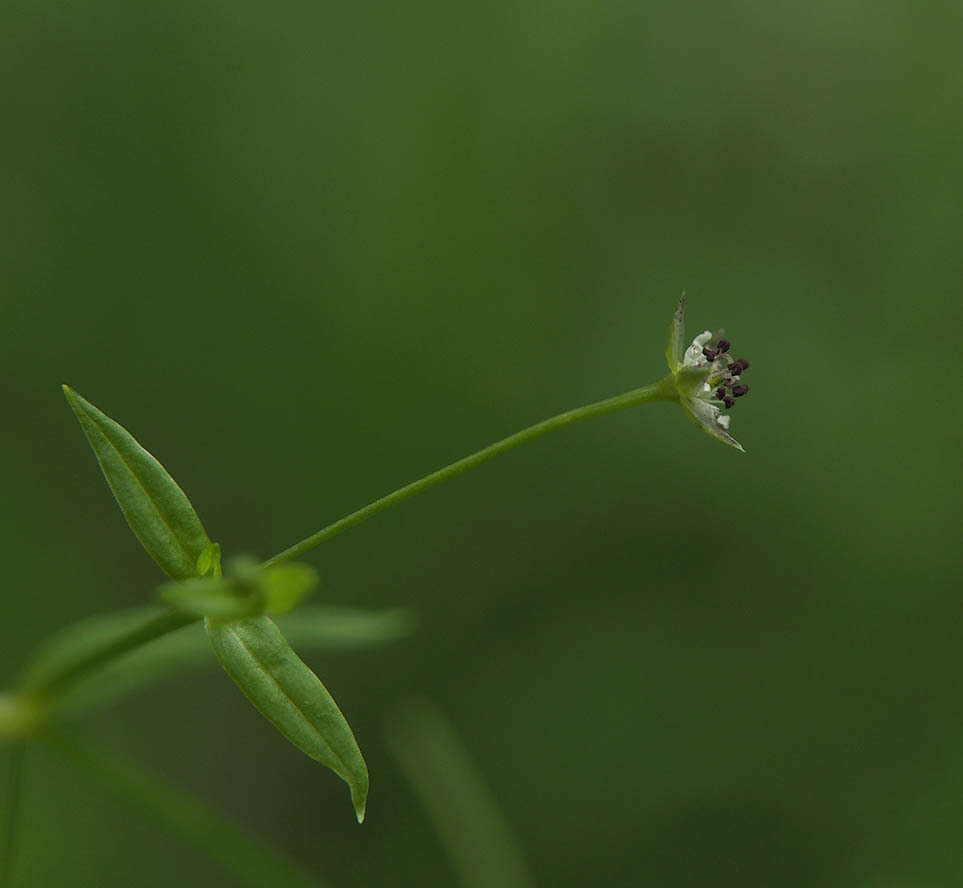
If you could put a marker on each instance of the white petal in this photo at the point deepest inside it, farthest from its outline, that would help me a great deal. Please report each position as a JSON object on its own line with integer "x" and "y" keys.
{"x": 694, "y": 356}
{"x": 724, "y": 421}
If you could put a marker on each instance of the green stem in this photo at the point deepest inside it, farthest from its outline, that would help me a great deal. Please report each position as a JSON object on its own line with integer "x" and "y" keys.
{"x": 138, "y": 635}
{"x": 250, "y": 860}
{"x": 46, "y": 689}
{"x": 8, "y": 841}
{"x": 664, "y": 390}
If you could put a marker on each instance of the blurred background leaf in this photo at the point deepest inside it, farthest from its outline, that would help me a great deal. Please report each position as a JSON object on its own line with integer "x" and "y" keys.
{"x": 179, "y": 814}
{"x": 311, "y": 252}
{"x": 315, "y": 627}
{"x": 454, "y": 795}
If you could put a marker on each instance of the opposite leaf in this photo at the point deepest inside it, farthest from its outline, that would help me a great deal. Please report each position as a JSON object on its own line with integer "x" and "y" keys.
{"x": 156, "y": 509}
{"x": 256, "y": 655}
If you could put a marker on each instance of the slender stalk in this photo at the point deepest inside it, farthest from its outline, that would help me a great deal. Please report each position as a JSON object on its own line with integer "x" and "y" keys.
{"x": 250, "y": 860}
{"x": 664, "y": 390}
{"x": 8, "y": 841}
{"x": 45, "y": 689}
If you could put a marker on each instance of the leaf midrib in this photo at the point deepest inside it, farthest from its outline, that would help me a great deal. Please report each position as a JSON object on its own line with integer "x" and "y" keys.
{"x": 105, "y": 432}
{"x": 265, "y": 671}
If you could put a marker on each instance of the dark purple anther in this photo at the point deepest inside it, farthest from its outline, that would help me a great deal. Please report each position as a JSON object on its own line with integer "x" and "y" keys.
{"x": 743, "y": 363}
{"x": 723, "y": 346}
{"x": 721, "y": 392}
{"x": 709, "y": 353}
{"x": 740, "y": 390}
{"x": 729, "y": 402}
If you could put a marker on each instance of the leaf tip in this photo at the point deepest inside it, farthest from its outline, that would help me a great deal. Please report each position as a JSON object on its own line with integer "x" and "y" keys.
{"x": 358, "y": 786}
{"x": 359, "y": 792}
{"x": 76, "y": 401}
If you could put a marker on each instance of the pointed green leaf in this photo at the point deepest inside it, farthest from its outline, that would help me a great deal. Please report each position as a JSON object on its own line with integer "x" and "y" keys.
{"x": 263, "y": 665}
{"x": 156, "y": 509}
{"x": 675, "y": 348}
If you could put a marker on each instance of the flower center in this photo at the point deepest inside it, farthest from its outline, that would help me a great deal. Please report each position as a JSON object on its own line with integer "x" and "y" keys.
{"x": 725, "y": 382}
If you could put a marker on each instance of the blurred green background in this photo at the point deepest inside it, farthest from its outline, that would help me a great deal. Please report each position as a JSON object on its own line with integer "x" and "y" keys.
{"x": 309, "y": 252}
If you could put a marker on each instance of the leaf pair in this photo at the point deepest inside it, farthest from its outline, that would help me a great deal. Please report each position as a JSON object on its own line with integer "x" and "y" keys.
{"x": 251, "y": 649}
{"x": 250, "y": 592}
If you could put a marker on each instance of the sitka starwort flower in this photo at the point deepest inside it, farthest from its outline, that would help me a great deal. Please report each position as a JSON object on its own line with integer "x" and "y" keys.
{"x": 707, "y": 378}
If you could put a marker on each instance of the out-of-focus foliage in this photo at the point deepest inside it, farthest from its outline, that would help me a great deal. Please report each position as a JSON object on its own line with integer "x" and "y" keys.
{"x": 311, "y": 252}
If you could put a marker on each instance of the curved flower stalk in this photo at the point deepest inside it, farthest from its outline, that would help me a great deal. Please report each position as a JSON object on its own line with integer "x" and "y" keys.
{"x": 707, "y": 378}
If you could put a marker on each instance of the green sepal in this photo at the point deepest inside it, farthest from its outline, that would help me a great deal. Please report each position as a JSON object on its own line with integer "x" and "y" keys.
{"x": 675, "y": 348}
{"x": 272, "y": 676}
{"x": 704, "y": 422}
{"x": 156, "y": 509}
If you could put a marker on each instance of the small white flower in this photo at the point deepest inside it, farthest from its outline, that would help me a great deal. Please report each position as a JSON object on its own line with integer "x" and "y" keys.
{"x": 707, "y": 379}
